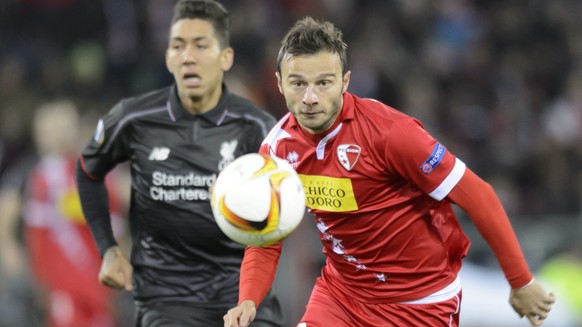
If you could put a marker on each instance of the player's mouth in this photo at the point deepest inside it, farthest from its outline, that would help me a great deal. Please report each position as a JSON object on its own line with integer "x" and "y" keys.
{"x": 192, "y": 80}
{"x": 309, "y": 111}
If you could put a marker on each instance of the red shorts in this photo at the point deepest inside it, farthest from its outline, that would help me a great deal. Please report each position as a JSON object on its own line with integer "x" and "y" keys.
{"x": 73, "y": 309}
{"x": 339, "y": 310}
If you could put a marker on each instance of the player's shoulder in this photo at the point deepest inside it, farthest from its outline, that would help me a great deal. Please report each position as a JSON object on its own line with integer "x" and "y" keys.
{"x": 130, "y": 109}
{"x": 143, "y": 102}
{"x": 374, "y": 113}
{"x": 373, "y": 109}
{"x": 246, "y": 109}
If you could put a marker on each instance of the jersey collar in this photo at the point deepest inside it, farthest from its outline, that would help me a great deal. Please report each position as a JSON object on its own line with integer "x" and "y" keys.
{"x": 214, "y": 115}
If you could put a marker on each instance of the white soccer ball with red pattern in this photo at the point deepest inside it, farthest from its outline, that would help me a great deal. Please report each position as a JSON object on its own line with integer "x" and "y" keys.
{"x": 258, "y": 200}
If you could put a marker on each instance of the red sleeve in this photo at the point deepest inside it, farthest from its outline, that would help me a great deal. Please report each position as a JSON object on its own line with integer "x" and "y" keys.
{"x": 258, "y": 271}
{"x": 417, "y": 156}
{"x": 478, "y": 199}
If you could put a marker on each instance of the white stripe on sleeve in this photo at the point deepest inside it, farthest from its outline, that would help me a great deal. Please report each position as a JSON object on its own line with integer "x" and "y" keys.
{"x": 452, "y": 179}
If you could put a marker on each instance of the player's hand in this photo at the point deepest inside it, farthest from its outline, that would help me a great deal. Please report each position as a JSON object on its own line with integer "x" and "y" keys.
{"x": 241, "y": 315}
{"x": 533, "y": 302}
{"x": 116, "y": 271}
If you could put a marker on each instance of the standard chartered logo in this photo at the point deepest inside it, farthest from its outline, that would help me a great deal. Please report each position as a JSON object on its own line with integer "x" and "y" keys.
{"x": 175, "y": 187}
{"x": 329, "y": 193}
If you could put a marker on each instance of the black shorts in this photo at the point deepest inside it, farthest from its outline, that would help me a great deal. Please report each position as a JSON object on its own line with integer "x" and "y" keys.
{"x": 184, "y": 314}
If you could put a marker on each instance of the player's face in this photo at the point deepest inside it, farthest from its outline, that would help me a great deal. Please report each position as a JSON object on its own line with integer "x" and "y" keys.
{"x": 313, "y": 87}
{"x": 197, "y": 62}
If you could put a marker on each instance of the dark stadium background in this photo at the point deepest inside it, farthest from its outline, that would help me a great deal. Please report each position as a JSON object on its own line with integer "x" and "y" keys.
{"x": 498, "y": 82}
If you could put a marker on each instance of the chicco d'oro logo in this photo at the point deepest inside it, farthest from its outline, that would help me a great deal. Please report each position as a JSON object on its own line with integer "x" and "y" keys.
{"x": 329, "y": 193}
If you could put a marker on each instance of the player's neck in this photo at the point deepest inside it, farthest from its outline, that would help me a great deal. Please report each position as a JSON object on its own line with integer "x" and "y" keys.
{"x": 202, "y": 104}
{"x": 319, "y": 136}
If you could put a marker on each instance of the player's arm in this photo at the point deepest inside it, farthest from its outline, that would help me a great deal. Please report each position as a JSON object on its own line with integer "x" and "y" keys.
{"x": 257, "y": 274}
{"x": 116, "y": 272}
{"x": 105, "y": 150}
{"x": 478, "y": 199}
{"x": 94, "y": 199}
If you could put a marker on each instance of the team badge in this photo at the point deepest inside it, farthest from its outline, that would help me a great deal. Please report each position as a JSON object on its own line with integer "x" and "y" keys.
{"x": 227, "y": 150}
{"x": 348, "y": 155}
{"x": 293, "y": 158}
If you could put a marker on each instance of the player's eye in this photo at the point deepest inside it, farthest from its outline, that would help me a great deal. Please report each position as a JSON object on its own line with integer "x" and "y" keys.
{"x": 177, "y": 46}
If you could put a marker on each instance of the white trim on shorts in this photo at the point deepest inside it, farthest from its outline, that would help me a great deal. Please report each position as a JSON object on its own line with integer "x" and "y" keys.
{"x": 444, "y": 294}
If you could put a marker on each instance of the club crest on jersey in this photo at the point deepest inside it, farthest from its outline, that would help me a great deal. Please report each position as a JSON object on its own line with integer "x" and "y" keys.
{"x": 434, "y": 160}
{"x": 348, "y": 155}
{"x": 227, "y": 150}
{"x": 293, "y": 158}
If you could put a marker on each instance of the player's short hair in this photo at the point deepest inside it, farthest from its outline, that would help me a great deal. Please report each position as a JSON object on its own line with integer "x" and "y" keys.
{"x": 209, "y": 10}
{"x": 309, "y": 36}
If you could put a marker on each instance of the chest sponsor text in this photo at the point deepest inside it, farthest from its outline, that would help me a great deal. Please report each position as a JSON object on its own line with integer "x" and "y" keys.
{"x": 329, "y": 193}
{"x": 181, "y": 187}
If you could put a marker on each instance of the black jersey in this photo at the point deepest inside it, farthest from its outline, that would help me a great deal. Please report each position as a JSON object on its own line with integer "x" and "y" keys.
{"x": 178, "y": 253}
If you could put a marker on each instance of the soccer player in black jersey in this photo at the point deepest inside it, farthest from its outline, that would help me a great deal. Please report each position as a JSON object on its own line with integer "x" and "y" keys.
{"x": 183, "y": 270}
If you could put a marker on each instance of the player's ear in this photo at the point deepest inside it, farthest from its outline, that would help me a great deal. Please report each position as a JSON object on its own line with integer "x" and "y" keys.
{"x": 346, "y": 81}
{"x": 279, "y": 82}
{"x": 168, "y": 66}
{"x": 227, "y": 59}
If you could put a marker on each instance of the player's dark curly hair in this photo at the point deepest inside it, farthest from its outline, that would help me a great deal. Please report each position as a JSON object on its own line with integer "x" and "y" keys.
{"x": 209, "y": 10}
{"x": 309, "y": 36}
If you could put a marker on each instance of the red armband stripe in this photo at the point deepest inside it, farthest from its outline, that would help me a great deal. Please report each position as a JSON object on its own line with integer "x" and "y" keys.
{"x": 82, "y": 161}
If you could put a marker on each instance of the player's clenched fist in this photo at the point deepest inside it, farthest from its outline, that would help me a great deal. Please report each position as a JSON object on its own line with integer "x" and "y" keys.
{"x": 533, "y": 302}
{"x": 116, "y": 271}
{"x": 241, "y": 315}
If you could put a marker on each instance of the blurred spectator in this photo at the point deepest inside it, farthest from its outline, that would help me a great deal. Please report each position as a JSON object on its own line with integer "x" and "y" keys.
{"x": 500, "y": 82}
{"x": 57, "y": 242}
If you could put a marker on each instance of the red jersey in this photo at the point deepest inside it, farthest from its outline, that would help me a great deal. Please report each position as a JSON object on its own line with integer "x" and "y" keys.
{"x": 63, "y": 255}
{"x": 376, "y": 183}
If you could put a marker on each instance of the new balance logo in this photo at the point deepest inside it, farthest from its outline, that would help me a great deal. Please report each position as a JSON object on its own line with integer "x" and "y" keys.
{"x": 159, "y": 153}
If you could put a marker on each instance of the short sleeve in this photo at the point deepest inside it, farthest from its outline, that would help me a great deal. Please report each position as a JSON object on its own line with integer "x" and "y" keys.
{"x": 420, "y": 159}
{"x": 108, "y": 146}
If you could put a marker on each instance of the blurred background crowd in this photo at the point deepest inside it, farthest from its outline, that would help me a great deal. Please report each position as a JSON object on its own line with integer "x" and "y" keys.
{"x": 498, "y": 82}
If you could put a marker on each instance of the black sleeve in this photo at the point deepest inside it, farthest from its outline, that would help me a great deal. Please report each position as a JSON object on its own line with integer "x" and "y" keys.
{"x": 95, "y": 203}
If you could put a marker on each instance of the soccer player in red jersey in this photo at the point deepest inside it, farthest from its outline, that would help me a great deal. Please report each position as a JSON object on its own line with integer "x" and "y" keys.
{"x": 381, "y": 189}
{"x": 61, "y": 252}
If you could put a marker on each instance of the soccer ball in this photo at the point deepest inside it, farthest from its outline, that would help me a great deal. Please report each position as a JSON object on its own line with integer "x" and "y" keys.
{"x": 258, "y": 200}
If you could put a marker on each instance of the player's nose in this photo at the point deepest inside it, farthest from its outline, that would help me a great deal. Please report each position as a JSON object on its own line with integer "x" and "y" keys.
{"x": 309, "y": 97}
{"x": 189, "y": 55}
